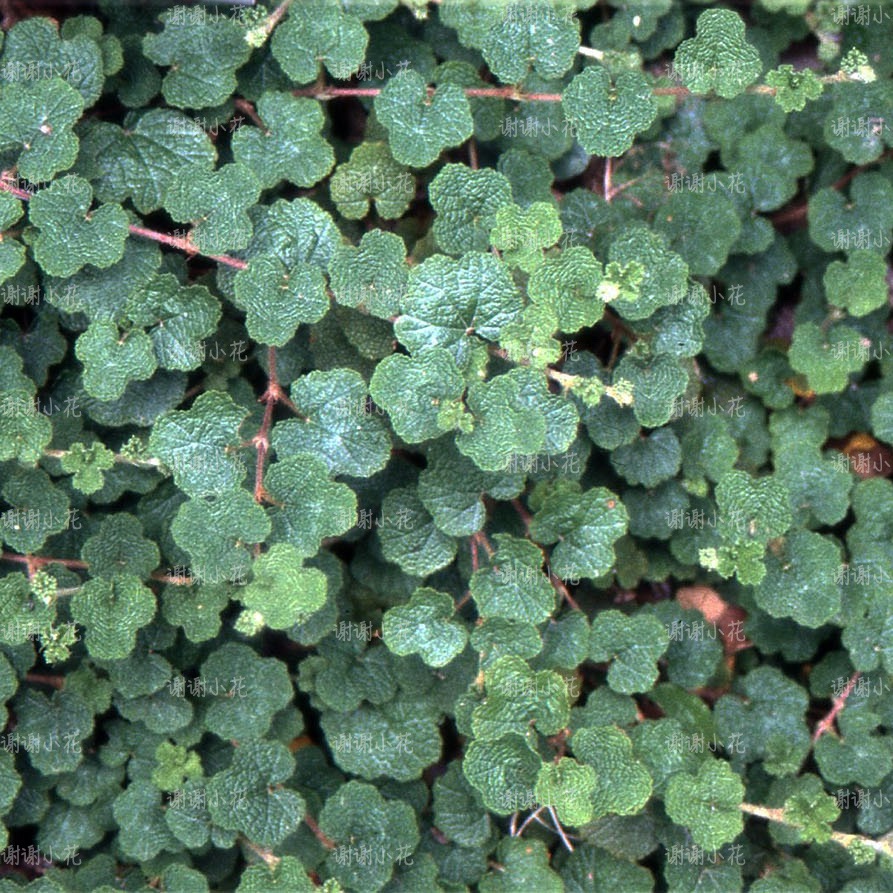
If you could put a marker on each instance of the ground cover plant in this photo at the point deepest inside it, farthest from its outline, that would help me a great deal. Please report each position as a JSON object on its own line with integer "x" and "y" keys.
{"x": 446, "y": 446}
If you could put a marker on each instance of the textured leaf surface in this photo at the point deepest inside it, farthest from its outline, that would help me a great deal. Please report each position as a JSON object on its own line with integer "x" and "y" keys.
{"x": 249, "y": 796}
{"x": 608, "y": 112}
{"x": 358, "y": 814}
{"x": 419, "y": 128}
{"x": 584, "y": 524}
{"x": 451, "y": 303}
{"x": 202, "y": 58}
{"x": 290, "y": 147}
{"x": 198, "y": 444}
{"x": 632, "y": 645}
{"x": 68, "y": 236}
{"x": 718, "y": 58}
{"x": 424, "y": 626}
{"x": 112, "y": 611}
{"x": 707, "y": 803}
{"x": 335, "y": 425}
{"x": 36, "y": 121}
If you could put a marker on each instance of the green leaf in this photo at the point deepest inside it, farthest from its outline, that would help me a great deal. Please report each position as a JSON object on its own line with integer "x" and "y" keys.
{"x": 120, "y": 547}
{"x": 335, "y": 424}
{"x": 649, "y": 460}
{"x": 776, "y": 736}
{"x": 632, "y": 645}
{"x": 216, "y": 204}
{"x": 139, "y": 162}
{"x": 76, "y": 57}
{"x": 751, "y": 508}
{"x": 858, "y": 285}
{"x": 424, "y": 626}
{"x": 248, "y": 690}
{"x": 290, "y": 147}
{"x": 357, "y": 815}
{"x": 69, "y": 234}
{"x": 466, "y": 202}
{"x": 308, "y": 506}
{"x": 278, "y": 298}
{"x": 701, "y": 227}
{"x": 409, "y": 537}
{"x": 87, "y": 464}
{"x": 283, "y": 592}
{"x": 178, "y": 318}
{"x": 503, "y": 771}
{"x": 707, "y": 803}
{"x": 397, "y": 740}
{"x": 807, "y": 807}
{"x": 198, "y": 444}
{"x": 800, "y": 579}
{"x": 854, "y": 125}
{"x": 452, "y": 488}
{"x": 51, "y": 722}
{"x": 452, "y": 303}
{"x": 826, "y": 357}
{"x": 622, "y": 784}
{"x": 112, "y": 610}
{"x": 656, "y": 386}
{"x": 862, "y": 220}
{"x": 584, "y": 524}
{"x": 608, "y": 112}
{"x": 419, "y": 393}
{"x": 420, "y": 128}
{"x": 567, "y": 786}
{"x": 590, "y": 868}
{"x": 142, "y": 831}
{"x": 175, "y": 764}
{"x": 771, "y": 165}
{"x": 319, "y": 33}
{"x": 521, "y": 234}
{"x": 518, "y": 697}
{"x": 718, "y": 58}
{"x": 202, "y": 57}
{"x": 284, "y": 876}
{"x": 38, "y": 509}
{"x": 515, "y": 586}
{"x": 793, "y": 89}
{"x": 249, "y": 796}
{"x": 215, "y": 532}
{"x": 372, "y": 176}
{"x": 458, "y": 809}
{"x": 524, "y": 865}
{"x": 113, "y": 359}
{"x": 36, "y": 121}
{"x": 515, "y": 415}
{"x": 371, "y": 276}
{"x": 570, "y": 285}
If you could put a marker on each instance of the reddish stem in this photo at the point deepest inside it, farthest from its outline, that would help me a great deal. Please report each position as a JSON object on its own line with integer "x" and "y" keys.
{"x": 836, "y": 706}
{"x": 243, "y": 105}
{"x": 185, "y": 245}
{"x": 54, "y": 681}
{"x": 797, "y": 213}
{"x": 174, "y": 581}
{"x": 36, "y": 561}
{"x": 163, "y": 238}
{"x": 556, "y": 582}
{"x": 510, "y": 92}
{"x": 480, "y": 538}
{"x": 270, "y": 397}
{"x": 311, "y": 824}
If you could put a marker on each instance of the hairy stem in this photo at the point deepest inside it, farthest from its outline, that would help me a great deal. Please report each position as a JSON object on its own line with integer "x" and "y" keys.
{"x": 837, "y": 705}
{"x": 885, "y": 847}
